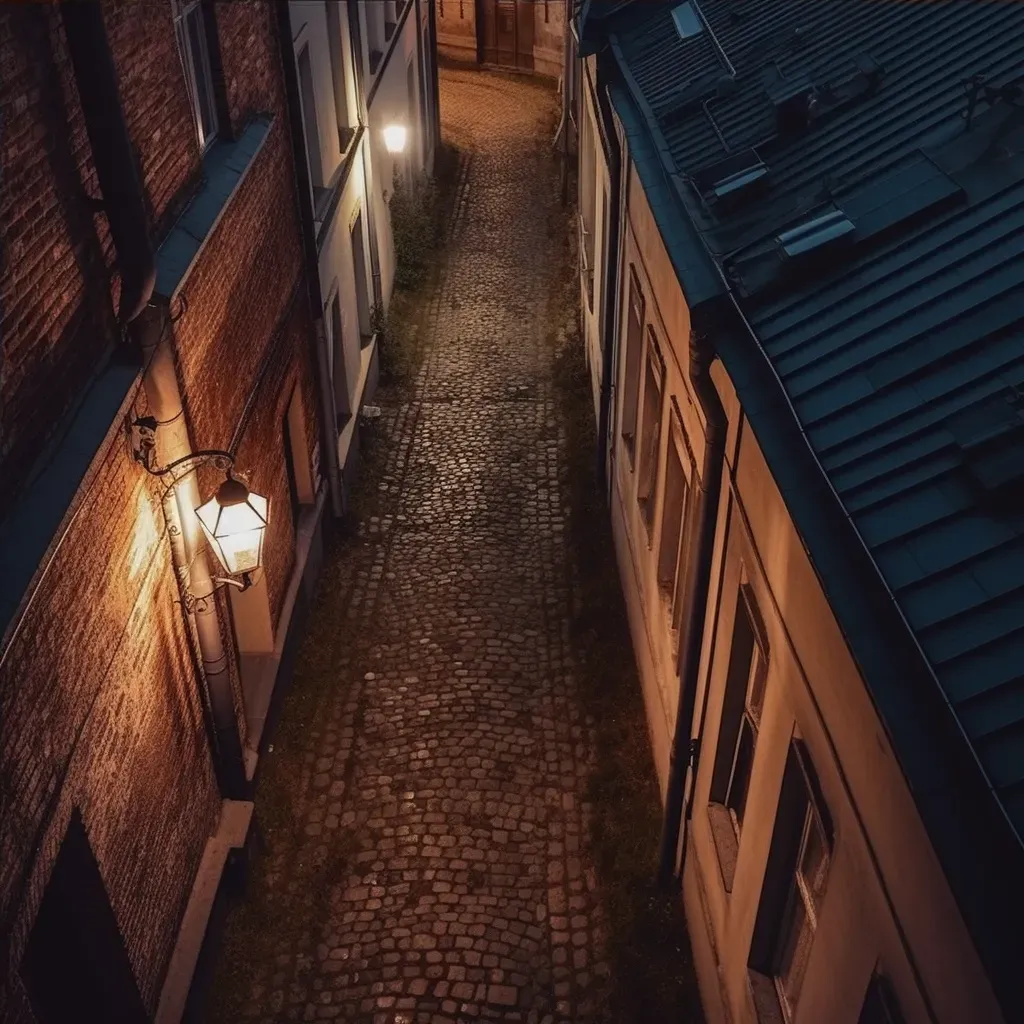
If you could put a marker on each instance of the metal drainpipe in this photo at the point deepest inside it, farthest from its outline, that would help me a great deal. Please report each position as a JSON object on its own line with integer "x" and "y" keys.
{"x": 611, "y": 296}
{"x": 328, "y": 409}
{"x": 701, "y": 357}
{"x": 96, "y": 79}
{"x": 160, "y": 381}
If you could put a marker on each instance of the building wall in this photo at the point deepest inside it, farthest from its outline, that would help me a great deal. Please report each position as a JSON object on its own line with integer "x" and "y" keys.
{"x": 595, "y": 197}
{"x": 461, "y": 23}
{"x": 638, "y": 552}
{"x": 886, "y": 905}
{"x": 100, "y": 704}
{"x": 389, "y": 100}
{"x": 56, "y": 319}
{"x": 456, "y": 30}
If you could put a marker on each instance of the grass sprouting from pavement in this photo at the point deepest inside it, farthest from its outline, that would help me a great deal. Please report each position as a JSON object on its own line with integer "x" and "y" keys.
{"x": 652, "y": 968}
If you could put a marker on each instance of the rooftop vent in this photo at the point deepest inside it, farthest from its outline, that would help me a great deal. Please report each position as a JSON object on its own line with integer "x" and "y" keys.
{"x": 816, "y": 234}
{"x": 687, "y": 21}
{"x": 741, "y": 185}
{"x": 791, "y": 99}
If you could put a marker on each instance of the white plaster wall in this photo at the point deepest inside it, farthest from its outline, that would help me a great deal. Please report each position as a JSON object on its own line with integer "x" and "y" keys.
{"x": 665, "y": 310}
{"x": 391, "y": 102}
{"x": 887, "y": 902}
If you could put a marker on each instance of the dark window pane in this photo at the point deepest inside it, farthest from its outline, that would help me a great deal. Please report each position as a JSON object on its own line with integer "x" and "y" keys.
{"x": 736, "y": 799}
{"x": 201, "y": 67}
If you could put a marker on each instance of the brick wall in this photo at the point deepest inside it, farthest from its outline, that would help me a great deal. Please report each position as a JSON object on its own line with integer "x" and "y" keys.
{"x": 56, "y": 317}
{"x": 100, "y": 679}
{"x": 456, "y": 29}
{"x": 156, "y": 105}
{"x": 108, "y": 718}
{"x": 251, "y": 59}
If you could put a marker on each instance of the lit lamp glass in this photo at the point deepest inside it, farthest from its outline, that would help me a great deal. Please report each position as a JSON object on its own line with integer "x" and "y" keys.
{"x": 234, "y": 521}
{"x": 395, "y": 137}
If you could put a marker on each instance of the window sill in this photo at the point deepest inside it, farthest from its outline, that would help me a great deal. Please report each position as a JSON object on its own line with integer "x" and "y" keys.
{"x": 727, "y": 847}
{"x": 767, "y": 1008}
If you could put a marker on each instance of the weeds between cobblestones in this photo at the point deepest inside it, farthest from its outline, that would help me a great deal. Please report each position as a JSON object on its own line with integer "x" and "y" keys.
{"x": 459, "y": 816}
{"x": 649, "y": 949}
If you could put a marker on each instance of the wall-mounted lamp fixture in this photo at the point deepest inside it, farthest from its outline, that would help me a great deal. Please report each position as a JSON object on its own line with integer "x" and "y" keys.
{"x": 395, "y": 138}
{"x": 234, "y": 519}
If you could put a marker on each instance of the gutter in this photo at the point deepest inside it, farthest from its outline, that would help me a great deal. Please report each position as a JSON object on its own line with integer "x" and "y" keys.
{"x": 613, "y": 272}
{"x": 328, "y": 412}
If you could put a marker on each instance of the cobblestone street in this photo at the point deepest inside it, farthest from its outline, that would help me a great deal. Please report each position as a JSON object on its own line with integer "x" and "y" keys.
{"x": 430, "y": 864}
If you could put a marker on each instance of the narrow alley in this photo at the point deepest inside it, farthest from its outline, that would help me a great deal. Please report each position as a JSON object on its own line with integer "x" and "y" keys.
{"x": 430, "y": 861}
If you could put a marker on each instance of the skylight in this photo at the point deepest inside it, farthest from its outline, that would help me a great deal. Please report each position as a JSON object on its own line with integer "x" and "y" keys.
{"x": 687, "y": 21}
{"x": 814, "y": 234}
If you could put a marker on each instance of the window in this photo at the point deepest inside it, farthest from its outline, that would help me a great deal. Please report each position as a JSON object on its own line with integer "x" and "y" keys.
{"x": 672, "y": 543}
{"x": 737, "y": 735}
{"x": 340, "y": 71}
{"x": 650, "y": 432}
{"x": 588, "y": 200}
{"x": 361, "y": 279}
{"x": 794, "y": 889}
{"x": 880, "y": 1006}
{"x": 375, "y": 28}
{"x": 339, "y": 379}
{"x": 634, "y": 351}
{"x": 390, "y": 18}
{"x": 194, "y": 53}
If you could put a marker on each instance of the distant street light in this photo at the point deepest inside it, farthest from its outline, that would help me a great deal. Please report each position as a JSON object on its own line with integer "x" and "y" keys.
{"x": 395, "y": 137}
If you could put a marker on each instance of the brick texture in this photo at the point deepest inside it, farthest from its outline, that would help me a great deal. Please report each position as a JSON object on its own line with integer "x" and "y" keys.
{"x": 100, "y": 704}
{"x": 56, "y": 318}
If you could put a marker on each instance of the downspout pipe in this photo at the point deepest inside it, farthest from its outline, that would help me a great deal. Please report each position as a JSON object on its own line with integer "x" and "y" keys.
{"x": 701, "y": 357}
{"x": 311, "y": 255}
{"x": 151, "y": 330}
{"x": 116, "y": 167}
{"x": 611, "y": 293}
{"x": 148, "y": 326}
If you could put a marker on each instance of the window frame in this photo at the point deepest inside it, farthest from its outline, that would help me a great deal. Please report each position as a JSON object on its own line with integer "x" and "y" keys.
{"x": 632, "y": 364}
{"x": 790, "y": 905}
{"x": 880, "y": 1005}
{"x": 649, "y": 476}
{"x": 671, "y": 588}
{"x": 192, "y": 68}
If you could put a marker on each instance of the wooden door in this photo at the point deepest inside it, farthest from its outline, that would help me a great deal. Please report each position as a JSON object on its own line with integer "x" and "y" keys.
{"x": 76, "y": 966}
{"x": 507, "y": 32}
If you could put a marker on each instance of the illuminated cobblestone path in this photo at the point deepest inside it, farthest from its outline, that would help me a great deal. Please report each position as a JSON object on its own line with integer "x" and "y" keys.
{"x": 437, "y": 874}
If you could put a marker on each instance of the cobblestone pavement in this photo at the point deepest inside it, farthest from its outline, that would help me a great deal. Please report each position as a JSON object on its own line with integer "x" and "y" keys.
{"x": 449, "y": 763}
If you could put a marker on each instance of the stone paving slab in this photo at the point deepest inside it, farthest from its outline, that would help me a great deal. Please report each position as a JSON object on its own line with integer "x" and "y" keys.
{"x": 446, "y": 773}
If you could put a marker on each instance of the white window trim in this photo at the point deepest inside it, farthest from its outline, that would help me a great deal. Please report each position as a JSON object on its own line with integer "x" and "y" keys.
{"x": 191, "y": 66}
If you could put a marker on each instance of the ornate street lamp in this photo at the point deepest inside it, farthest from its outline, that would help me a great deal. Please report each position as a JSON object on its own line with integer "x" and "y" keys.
{"x": 395, "y": 137}
{"x": 235, "y": 521}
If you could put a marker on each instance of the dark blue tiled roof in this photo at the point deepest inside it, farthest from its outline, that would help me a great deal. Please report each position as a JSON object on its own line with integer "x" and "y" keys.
{"x": 886, "y": 351}
{"x": 897, "y": 351}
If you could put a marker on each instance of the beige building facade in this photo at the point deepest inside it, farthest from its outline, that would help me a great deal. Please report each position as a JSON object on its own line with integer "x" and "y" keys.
{"x": 813, "y": 883}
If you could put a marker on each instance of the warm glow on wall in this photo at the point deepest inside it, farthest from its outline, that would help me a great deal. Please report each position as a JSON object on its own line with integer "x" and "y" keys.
{"x": 395, "y": 138}
{"x": 144, "y": 536}
{"x": 234, "y": 521}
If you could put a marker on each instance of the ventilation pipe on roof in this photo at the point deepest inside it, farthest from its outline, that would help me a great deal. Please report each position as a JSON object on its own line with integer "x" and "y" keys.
{"x": 684, "y": 754}
{"x": 112, "y": 153}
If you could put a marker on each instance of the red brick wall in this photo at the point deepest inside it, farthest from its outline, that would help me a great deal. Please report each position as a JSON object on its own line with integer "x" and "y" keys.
{"x": 56, "y": 318}
{"x": 99, "y": 679}
{"x": 156, "y": 106}
{"x": 100, "y": 685}
{"x": 251, "y": 58}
